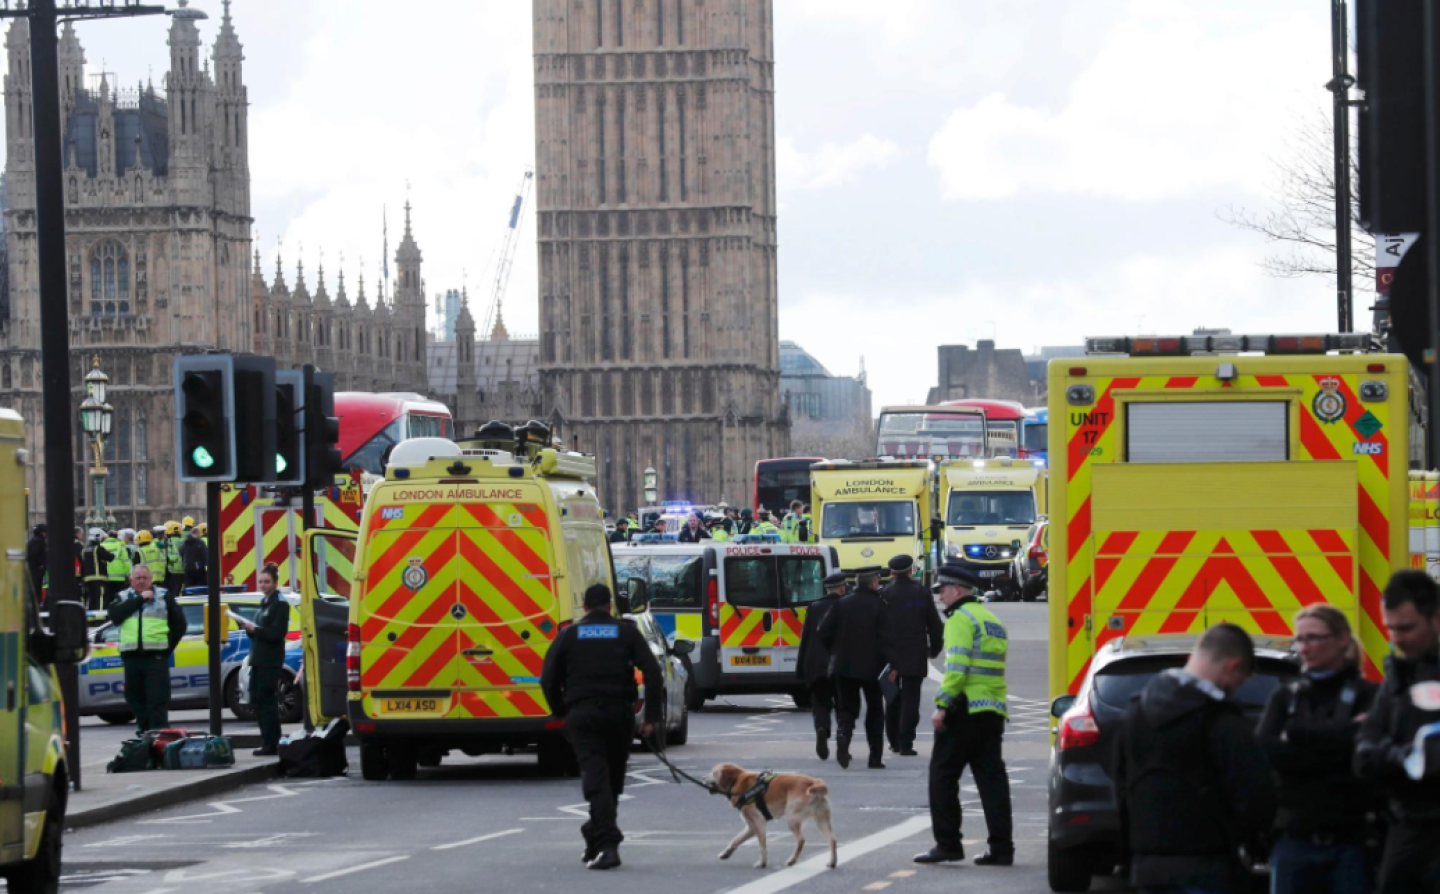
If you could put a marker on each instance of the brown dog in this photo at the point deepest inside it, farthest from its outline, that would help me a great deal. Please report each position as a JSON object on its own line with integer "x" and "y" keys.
{"x": 789, "y": 796}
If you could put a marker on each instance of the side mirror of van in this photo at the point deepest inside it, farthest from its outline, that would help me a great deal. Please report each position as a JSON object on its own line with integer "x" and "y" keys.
{"x": 1061, "y": 705}
{"x": 636, "y": 597}
{"x": 682, "y": 647}
{"x": 68, "y": 631}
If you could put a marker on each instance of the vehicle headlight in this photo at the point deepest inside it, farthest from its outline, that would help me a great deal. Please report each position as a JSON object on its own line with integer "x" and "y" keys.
{"x": 952, "y": 550}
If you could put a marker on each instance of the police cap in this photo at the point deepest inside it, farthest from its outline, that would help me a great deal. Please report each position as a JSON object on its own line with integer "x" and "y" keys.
{"x": 868, "y": 570}
{"x": 837, "y": 579}
{"x": 901, "y": 564}
{"x": 954, "y": 573}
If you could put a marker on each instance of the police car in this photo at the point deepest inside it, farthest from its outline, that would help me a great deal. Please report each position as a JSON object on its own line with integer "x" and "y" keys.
{"x": 742, "y": 603}
{"x": 102, "y": 673}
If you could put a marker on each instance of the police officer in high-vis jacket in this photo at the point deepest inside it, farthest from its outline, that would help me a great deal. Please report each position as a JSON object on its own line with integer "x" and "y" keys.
{"x": 117, "y": 566}
{"x": 969, "y": 720}
{"x": 151, "y": 625}
{"x": 589, "y": 679}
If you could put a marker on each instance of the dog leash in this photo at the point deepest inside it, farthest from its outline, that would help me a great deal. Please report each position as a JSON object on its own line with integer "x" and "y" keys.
{"x": 658, "y": 749}
{"x": 756, "y": 795}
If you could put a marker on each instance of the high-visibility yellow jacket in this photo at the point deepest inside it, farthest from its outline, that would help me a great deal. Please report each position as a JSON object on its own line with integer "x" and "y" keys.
{"x": 976, "y": 644}
{"x": 152, "y": 555}
{"x": 118, "y": 568}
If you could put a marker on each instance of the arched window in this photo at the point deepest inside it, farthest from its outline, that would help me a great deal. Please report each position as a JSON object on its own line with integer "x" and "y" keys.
{"x": 109, "y": 280}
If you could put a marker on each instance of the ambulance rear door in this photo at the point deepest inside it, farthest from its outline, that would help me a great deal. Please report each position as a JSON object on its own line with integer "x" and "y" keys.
{"x": 763, "y": 594}
{"x": 327, "y": 575}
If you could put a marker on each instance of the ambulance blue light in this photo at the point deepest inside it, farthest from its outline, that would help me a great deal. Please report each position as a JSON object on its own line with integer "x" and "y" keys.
{"x": 516, "y": 472}
{"x": 402, "y": 473}
{"x": 758, "y": 538}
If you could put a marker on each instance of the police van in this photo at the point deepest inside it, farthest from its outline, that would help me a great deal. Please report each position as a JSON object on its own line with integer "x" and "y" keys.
{"x": 468, "y": 563}
{"x": 743, "y": 602}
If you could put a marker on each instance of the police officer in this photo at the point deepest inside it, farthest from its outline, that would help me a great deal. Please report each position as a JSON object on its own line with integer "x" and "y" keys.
{"x": 589, "y": 679}
{"x": 152, "y": 555}
{"x": 1387, "y": 753}
{"x": 765, "y": 527}
{"x": 970, "y": 713}
{"x": 195, "y": 556}
{"x": 852, "y": 632}
{"x": 747, "y": 521}
{"x": 914, "y": 634}
{"x": 174, "y": 562}
{"x": 814, "y": 661}
{"x": 790, "y": 524}
{"x": 92, "y": 570}
{"x": 267, "y": 656}
{"x": 35, "y": 550}
{"x": 621, "y": 534}
{"x": 151, "y": 625}
{"x": 117, "y": 566}
{"x": 805, "y": 533}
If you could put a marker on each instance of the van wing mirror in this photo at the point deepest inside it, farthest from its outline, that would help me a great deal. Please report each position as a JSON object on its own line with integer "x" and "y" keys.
{"x": 636, "y": 597}
{"x": 1061, "y": 705}
{"x": 682, "y": 647}
{"x": 68, "y": 631}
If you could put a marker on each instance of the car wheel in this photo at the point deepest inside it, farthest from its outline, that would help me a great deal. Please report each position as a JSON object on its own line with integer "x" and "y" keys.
{"x": 402, "y": 761}
{"x": 1031, "y": 591}
{"x": 681, "y": 733}
{"x": 42, "y": 874}
{"x": 694, "y": 698}
{"x": 232, "y": 699}
{"x": 1068, "y": 869}
{"x": 116, "y": 718}
{"x": 374, "y": 766}
{"x": 291, "y": 698}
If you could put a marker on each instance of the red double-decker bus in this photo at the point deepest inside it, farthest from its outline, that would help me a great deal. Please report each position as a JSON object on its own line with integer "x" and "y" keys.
{"x": 779, "y": 481}
{"x": 370, "y": 424}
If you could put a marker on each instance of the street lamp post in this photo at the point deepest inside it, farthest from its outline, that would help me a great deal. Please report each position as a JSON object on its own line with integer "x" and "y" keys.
{"x": 650, "y": 485}
{"x": 96, "y": 417}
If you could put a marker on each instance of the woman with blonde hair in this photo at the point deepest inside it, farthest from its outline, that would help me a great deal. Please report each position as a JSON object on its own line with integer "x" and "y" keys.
{"x": 1309, "y": 729}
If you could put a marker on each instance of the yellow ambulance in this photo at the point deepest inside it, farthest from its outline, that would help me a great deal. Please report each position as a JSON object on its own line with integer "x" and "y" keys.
{"x": 989, "y": 505}
{"x": 467, "y": 565}
{"x": 1223, "y": 478}
{"x": 33, "y": 760}
{"x": 872, "y": 511}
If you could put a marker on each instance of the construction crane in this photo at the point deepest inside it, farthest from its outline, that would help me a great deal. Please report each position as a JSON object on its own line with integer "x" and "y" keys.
{"x": 506, "y": 258}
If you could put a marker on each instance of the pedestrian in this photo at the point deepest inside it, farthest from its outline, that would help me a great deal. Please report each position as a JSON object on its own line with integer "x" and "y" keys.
{"x": 92, "y": 571}
{"x": 659, "y": 528}
{"x": 589, "y": 680}
{"x": 117, "y": 567}
{"x": 694, "y": 531}
{"x": 971, "y": 709}
{"x": 914, "y": 635}
{"x": 1387, "y": 754}
{"x": 621, "y": 534}
{"x": 813, "y": 662}
{"x": 267, "y": 656}
{"x": 1191, "y": 780}
{"x": 195, "y": 555}
{"x": 1309, "y": 731}
{"x": 151, "y": 626}
{"x": 853, "y": 631}
{"x": 35, "y": 560}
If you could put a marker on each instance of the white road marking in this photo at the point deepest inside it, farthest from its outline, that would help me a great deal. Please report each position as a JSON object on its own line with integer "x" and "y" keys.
{"x": 492, "y": 835}
{"x": 787, "y": 878}
{"x": 583, "y": 808}
{"x": 352, "y": 869}
{"x": 224, "y": 808}
{"x": 124, "y": 840}
{"x": 246, "y": 874}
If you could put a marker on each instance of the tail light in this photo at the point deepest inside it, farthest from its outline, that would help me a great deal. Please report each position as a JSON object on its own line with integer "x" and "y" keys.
{"x": 712, "y": 603}
{"x": 1078, "y": 729}
{"x": 352, "y": 658}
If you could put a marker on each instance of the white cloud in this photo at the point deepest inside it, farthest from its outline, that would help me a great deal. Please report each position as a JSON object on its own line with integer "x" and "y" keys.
{"x": 832, "y": 164}
{"x": 1180, "y": 97}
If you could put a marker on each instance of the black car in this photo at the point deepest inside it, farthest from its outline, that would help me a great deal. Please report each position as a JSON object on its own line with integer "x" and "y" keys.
{"x": 1085, "y": 833}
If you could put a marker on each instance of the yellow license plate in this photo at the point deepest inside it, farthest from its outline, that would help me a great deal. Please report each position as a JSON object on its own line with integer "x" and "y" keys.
{"x": 410, "y": 706}
{"x": 749, "y": 660}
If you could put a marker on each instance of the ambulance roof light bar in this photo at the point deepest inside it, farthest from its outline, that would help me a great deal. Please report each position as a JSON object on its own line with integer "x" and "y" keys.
{"x": 1185, "y": 345}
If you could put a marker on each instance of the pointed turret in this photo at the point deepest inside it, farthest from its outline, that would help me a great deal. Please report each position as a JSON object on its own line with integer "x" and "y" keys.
{"x": 467, "y": 393}
{"x": 322, "y": 298}
{"x": 341, "y": 300}
{"x": 279, "y": 288}
{"x": 300, "y": 293}
{"x": 72, "y": 65}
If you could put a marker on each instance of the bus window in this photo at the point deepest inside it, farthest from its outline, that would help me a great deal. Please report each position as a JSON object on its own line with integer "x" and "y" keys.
{"x": 426, "y": 426}
{"x": 371, "y": 454}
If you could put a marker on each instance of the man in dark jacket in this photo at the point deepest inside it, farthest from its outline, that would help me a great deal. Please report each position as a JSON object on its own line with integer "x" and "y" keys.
{"x": 853, "y": 632}
{"x": 1191, "y": 779}
{"x": 914, "y": 634}
{"x": 151, "y": 626}
{"x": 267, "y": 657}
{"x": 694, "y": 530}
{"x": 196, "y": 556}
{"x": 813, "y": 662}
{"x": 35, "y": 559}
{"x": 1408, "y": 701}
{"x": 621, "y": 534}
{"x": 1308, "y": 732}
{"x": 589, "y": 679}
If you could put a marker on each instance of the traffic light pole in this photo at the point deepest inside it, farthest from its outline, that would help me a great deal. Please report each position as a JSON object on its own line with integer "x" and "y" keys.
{"x": 1431, "y": 239}
{"x": 307, "y": 489}
{"x": 213, "y": 607}
{"x": 1340, "y": 87}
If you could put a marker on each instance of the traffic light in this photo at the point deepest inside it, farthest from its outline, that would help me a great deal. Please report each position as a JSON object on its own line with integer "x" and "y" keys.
{"x": 289, "y": 433}
{"x": 254, "y": 418}
{"x": 205, "y": 417}
{"x": 1390, "y": 51}
{"x": 322, "y": 432}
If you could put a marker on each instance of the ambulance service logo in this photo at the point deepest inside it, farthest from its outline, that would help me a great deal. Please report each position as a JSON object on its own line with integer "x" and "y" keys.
{"x": 1329, "y": 405}
{"x": 415, "y": 576}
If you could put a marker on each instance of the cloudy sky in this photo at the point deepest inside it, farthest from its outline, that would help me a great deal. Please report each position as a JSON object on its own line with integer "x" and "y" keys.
{"x": 1029, "y": 170}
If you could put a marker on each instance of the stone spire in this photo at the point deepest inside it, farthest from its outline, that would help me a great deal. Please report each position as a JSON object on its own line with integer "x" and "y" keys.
{"x": 322, "y": 298}
{"x": 341, "y": 300}
{"x": 72, "y": 65}
{"x": 279, "y": 285}
{"x": 301, "y": 292}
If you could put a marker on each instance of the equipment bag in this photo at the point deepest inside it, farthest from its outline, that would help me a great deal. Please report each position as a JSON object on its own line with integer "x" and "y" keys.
{"x": 163, "y": 737}
{"x": 321, "y": 754}
{"x": 219, "y": 751}
{"x": 135, "y": 755}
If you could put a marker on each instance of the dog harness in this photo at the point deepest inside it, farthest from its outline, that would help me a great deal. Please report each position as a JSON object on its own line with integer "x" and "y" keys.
{"x": 755, "y": 794}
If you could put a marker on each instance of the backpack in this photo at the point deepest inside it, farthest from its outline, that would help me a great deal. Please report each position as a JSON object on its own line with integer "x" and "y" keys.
{"x": 321, "y": 754}
{"x": 135, "y": 755}
{"x": 199, "y": 753}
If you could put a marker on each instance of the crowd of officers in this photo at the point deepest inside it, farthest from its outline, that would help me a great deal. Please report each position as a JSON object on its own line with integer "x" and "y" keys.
{"x": 726, "y": 524}
{"x": 175, "y": 553}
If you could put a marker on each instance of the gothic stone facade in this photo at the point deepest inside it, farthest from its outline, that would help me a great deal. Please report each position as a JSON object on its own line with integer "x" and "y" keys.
{"x": 655, "y": 177}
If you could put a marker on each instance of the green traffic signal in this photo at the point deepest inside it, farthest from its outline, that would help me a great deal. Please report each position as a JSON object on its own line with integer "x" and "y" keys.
{"x": 202, "y": 458}
{"x": 280, "y": 464}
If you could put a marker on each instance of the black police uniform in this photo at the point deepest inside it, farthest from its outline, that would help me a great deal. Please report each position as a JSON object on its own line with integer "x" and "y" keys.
{"x": 589, "y": 679}
{"x": 914, "y": 634}
{"x": 853, "y": 631}
{"x": 813, "y": 663}
{"x": 1412, "y": 860}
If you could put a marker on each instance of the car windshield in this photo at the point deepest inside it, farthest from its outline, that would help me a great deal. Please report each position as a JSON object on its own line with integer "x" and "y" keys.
{"x": 873, "y": 519}
{"x": 1003, "y": 507}
{"x": 1118, "y": 682}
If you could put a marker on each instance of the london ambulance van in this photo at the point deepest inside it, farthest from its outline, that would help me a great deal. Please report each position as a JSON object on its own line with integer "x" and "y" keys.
{"x": 872, "y": 511}
{"x": 467, "y": 565}
{"x": 989, "y": 506}
{"x": 742, "y": 602}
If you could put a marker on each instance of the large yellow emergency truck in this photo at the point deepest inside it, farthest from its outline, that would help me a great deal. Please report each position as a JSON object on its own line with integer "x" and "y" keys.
{"x": 467, "y": 565}
{"x": 1197, "y": 480}
{"x": 33, "y": 764}
{"x": 990, "y": 504}
{"x": 872, "y": 511}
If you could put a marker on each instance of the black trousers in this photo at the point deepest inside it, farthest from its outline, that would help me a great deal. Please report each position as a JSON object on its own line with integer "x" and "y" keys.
{"x": 147, "y": 689}
{"x": 601, "y": 733}
{"x": 847, "y": 710}
{"x": 902, "y": 713}
{"x": 822, "y": 704}
{"x": 971, "y": 740}
{"x": 94, "y": 595}
{"x": 266, "y": 701}
{"x": 1411, "y": 864}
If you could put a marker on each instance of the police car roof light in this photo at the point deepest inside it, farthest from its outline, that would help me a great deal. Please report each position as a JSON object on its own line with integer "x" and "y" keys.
{"x": 758, "y": 538}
